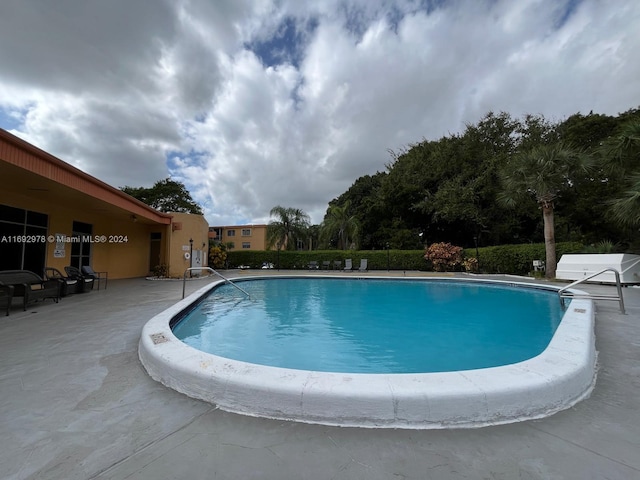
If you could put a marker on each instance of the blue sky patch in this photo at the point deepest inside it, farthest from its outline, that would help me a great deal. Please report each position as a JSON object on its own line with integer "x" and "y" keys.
{"x": 565, "y": 13}
{"x": 192, "y": 158}
{"x": 11, "y": 119}
{"x": 286, "y": 45}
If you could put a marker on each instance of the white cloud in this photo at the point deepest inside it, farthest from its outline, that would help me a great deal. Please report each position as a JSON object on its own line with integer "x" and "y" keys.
{"x": 132, "y": 93}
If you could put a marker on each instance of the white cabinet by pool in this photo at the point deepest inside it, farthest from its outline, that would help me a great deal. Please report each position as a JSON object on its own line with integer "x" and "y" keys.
{"x": 577, "y": 267}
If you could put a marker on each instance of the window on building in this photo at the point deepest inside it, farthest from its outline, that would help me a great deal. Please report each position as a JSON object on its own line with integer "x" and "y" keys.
{"x": 246, "y": 232}
{"x": 231, "y": 233}
{"x": 81, "y": 246}
{"x": 246, "y": 244}
{"x": 217, "y": 233}
{"x": 16, "y": 254}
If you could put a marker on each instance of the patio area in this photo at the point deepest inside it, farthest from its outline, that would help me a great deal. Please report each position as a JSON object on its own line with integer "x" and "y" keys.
{"x": 75, "y": 403}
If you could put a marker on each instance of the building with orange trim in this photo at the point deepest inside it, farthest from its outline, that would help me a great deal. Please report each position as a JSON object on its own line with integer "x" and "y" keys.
{"x": 53, "y": 215}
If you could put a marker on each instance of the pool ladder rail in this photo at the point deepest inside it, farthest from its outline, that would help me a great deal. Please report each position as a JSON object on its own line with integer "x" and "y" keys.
{"x": 564, "y": 293}
{"x": 184, "y": 279}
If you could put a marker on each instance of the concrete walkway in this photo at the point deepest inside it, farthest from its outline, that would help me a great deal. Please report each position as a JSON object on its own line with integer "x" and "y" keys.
{"x": 75, "y": 403}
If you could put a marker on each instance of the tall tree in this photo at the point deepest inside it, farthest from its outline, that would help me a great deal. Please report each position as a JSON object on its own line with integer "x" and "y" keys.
{"x": 289, "y": 225}
{"x": 366, "y": 205}
{"x": 584, "y": 211}
{"x": 167, "y": 196}
{"x": 542, "y": 173}
{"x": 626, "y": 208}
{"x": 622, "y": 155}
{"x": 341, "y": 224}
{"x": 447, "y": 189}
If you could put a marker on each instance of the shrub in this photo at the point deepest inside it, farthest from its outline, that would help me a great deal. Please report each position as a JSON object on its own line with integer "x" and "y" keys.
{"x": 604, "y": 246}
{"x": 160, "y": 271}
{"x": 217, "y": 256}
{"x": 470, "y": 264}
{"x": 444, "y": 256}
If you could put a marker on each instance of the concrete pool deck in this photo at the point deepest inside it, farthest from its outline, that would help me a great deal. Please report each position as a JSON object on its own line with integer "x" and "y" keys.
{"x": 75, "y": 403}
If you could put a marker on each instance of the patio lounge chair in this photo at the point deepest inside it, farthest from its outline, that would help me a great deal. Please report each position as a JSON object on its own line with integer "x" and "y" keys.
{"x": 30, "y": 286}
{"x": 84, "y": 283}
{"x": 326, "y": 264}
{"x": 6, "y": 296}
{"x": 337, "y": 264}
{"x": 363, "y": 265}
{"x": 87, "y": 271}
{"x": 348, "y": 266}
{"x": 313, "y": 265}
{"x": 67, "y": 284}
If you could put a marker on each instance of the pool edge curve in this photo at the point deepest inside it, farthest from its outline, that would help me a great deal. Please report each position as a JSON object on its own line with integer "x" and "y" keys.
{"x": 561, "y": 376}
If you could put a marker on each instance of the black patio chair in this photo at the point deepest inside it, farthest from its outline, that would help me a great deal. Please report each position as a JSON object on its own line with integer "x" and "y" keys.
{"x": 6, "y": 296}
{"x": 68, "y": 285}
{"x": 89, "y": 272}
{"x": 85, "y": 283}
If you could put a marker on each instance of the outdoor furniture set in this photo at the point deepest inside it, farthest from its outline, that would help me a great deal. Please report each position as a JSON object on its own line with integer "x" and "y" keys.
{"x": 31, "y": 287}
{"x": 28, "y": 285}
{"x": 337, "y": 265}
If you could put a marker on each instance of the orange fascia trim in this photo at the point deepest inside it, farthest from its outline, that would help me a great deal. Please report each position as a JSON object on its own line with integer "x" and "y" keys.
{"x": 22, "y": 154}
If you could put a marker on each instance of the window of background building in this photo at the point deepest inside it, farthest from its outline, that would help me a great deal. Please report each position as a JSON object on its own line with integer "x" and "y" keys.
{"x": 246, "y": 244}
{"x": 217, "y": 232}
{"x": 246, "y": 232}
{"x": 231, "y": 233}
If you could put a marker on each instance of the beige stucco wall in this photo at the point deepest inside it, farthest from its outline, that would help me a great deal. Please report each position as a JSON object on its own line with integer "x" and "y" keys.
{"x": 125, "y": 251}
{"x": 123, "y": 254}
{"x": 184, "y": 227}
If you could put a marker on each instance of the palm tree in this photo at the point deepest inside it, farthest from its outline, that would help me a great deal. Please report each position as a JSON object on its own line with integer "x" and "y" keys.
{"x": 542, "y": 173}
{"x": 626, "y": 208}
{"x": 338, "y": 223}
{"x": 290, "y": 225}
{"x": 621, "y": 155}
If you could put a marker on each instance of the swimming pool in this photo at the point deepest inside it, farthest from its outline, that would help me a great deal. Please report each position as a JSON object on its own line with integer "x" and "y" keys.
{"x": 553, "y": 380}
{"x": 374, "y": 326}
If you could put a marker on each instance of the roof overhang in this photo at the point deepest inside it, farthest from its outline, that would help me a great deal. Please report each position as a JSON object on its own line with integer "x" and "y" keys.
{"x": 39, "y": 174}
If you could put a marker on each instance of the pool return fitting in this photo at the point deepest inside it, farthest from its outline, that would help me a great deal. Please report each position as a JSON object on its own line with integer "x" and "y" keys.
{"x": 184, "y": 279}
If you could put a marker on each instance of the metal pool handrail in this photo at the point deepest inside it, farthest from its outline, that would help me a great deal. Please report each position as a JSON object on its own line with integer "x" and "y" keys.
{"x": 184, "y": 279}
{"x": 562, "y": 293}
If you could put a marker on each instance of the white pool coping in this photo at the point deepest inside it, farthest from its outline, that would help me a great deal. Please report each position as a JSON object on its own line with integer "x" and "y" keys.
{"x": 561, "y": 376}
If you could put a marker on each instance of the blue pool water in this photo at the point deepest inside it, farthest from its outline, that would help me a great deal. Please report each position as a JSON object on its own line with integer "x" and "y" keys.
{"x": 373, "y": 326}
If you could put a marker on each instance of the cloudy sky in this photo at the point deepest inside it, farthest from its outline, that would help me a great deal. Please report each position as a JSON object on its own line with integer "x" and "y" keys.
{"x": 257, "y": 103}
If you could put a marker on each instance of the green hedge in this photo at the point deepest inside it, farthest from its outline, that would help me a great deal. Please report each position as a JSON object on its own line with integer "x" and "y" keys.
{"x": 517, "y": 259}
{"x": 512, "y": 259}
{"x": 376, "y": 259}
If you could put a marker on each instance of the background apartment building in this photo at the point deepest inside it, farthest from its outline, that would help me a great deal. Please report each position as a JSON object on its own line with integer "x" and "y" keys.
{"x": 241, "y": 237}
